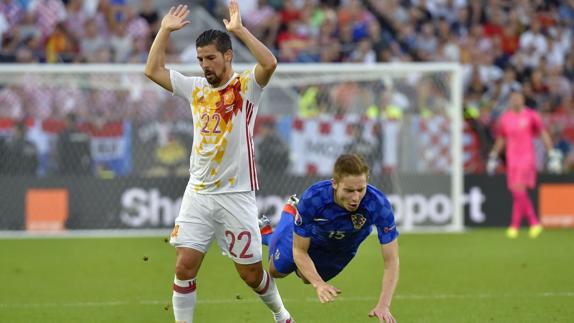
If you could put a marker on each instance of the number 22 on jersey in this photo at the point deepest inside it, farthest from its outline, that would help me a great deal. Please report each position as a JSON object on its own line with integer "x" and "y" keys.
{"x": 210, "y": 123}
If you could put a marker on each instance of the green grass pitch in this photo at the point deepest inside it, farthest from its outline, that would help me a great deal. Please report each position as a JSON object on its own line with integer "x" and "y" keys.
{"x": 478, "y": 276}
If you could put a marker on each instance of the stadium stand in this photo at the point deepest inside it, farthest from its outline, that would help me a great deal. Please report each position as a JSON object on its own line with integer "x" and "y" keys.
{"x": 500, "y": 45}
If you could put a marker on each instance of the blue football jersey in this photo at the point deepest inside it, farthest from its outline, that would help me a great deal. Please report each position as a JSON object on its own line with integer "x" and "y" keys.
{"x": 334, "y": 230}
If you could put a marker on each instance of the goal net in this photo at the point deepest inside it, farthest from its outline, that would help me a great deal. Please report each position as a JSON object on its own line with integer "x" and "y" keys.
{"x": 405, "y": 119}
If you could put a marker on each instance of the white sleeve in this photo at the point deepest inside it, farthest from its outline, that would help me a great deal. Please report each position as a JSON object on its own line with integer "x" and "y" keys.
{"x": 254, "y": 89}
{"x": 182, "y": 85}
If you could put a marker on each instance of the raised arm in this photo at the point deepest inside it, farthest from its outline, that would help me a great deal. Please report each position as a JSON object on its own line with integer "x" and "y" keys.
{"x": 389, "y": 284}
{"x": 266, "y": 61}
{"x": 155, "y": 68}
{"x": 307, "y": 269}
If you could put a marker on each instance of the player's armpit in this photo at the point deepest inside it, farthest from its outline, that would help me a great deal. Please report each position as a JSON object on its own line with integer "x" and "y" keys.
{"x": 161, "y": 77}
{"x": 263, "y": 73}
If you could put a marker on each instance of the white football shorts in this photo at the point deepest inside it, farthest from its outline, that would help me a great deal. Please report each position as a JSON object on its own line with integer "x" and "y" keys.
{"x": 231, "y": 218}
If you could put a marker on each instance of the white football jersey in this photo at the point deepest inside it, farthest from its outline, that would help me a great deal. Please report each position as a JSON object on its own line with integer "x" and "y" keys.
{"x": 222, "y": 158}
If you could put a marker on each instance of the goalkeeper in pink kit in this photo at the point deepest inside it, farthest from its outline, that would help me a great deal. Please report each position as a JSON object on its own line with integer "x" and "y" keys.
{"x": 516, "y": 129}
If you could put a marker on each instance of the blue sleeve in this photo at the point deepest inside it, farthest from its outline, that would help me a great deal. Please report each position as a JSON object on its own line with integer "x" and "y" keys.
{"x": 385, "y": 221}
{"x": 304, "y": 219}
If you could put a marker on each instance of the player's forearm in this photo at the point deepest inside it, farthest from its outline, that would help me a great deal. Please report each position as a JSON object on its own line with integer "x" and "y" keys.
{"x": 390, "y": 280}
{"x": 307, "y": 267}
{"x": 262, "y": 54}
{"x": 156, "y": 56}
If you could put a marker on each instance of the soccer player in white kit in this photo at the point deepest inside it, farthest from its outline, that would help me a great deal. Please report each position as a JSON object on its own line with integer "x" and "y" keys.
{"x": 219, "y": 201}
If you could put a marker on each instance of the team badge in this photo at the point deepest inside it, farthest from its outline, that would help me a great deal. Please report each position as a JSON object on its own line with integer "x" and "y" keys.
{"x": 358, "y": 221}
{"x": 228, "y": 97}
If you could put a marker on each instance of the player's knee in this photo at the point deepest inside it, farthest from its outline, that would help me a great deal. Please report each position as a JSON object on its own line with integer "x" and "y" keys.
{"x": 184, "y": 272}
{"x": 251, "y": 275}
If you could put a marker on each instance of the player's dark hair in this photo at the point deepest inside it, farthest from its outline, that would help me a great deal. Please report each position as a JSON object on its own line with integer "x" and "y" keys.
{"x": 220, "y": 39}
{"x": 350, "y": 164}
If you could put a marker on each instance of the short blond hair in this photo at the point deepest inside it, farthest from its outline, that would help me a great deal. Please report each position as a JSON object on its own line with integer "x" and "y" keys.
{"x": 350, "y": 164}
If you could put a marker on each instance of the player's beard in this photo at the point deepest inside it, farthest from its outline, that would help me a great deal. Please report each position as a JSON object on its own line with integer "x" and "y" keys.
{"x": 213, "y": 78}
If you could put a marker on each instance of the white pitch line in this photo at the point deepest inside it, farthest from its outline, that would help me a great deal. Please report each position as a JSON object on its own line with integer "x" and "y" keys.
{"x": 288, "y": 300}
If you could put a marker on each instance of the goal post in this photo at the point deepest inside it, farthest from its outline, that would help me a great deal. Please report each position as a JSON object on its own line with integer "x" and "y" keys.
{"x": 405, "y": 118}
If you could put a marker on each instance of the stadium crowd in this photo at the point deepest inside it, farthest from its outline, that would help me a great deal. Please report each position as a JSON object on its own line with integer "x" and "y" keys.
{"x": 502, "y": 44}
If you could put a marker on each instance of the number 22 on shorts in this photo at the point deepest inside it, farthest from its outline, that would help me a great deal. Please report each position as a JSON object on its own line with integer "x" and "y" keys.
{"x": 243, "y": 235}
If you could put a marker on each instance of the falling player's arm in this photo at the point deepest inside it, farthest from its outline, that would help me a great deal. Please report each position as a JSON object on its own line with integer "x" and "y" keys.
{"x": 307, "y": 269}
{"x": 155, "y": 68}
{"x": 390, "y": 278}
{"x": 266, "y": 61}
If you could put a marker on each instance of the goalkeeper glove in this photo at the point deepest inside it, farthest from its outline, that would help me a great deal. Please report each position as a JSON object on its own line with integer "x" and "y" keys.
{"x": 491, "y": 164}
{"x": 554, "y": 161}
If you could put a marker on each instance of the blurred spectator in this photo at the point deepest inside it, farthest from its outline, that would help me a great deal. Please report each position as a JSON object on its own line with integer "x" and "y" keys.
{"x": 151, "y": 15}
{"x": 272, "y": 152}
{"x": 60, "y": 47}
{"x": 139, "y": 51}
{"x": 22, "y": 158}
{"x": 28, "y": 27}
{"x": 47, "y": 13}
{"x": 533, "y": 42}
{"x": 73, "y": 149}
{"x": 263, "y": 22}
{"x": 12, "y": 11}
{"x": 76, "y": 18}
{"x": 121, "y": 44}
{"x": 92, "y": 41}
{"x": 137, "y": 26}
{"x": 501, "y": 44}
{"x": 364, "y": 53}
{"x": 426, "y": 42}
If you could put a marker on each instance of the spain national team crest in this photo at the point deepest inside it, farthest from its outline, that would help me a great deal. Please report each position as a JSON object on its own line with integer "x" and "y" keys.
{"x": 358, "y": 220}
{"x": 228, "y": 97}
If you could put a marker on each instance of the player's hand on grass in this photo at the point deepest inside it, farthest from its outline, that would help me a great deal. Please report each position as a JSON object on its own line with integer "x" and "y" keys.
{"x": 175, "y": 19}
{"x": 327, "y": 293}
{"x": 234, "y": 23}
{"x": 383, "y": 313}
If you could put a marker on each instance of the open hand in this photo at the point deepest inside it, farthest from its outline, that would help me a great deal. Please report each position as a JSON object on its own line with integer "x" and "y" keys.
{"x": 383, "y": 314}
{"x": 327, "y": 293}
{"x": 175, "y": 18}
{"x": 234, "y": 23}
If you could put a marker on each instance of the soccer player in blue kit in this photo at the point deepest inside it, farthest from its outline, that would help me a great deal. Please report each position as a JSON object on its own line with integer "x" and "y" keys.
{"x": 318, "y": 235}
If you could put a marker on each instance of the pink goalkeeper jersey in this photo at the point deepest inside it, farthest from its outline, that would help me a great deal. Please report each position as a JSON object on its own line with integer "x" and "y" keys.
{"x": 222, "y": 159}
{"x": 519, "y": 130}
